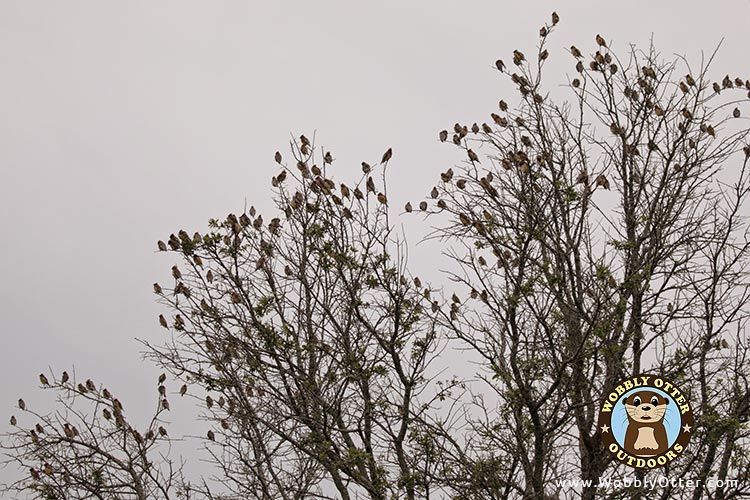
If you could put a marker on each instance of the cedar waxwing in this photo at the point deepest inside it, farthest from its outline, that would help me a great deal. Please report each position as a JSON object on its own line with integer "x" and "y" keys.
{"x": 443, "y": 135}
{"x": 387, "y": 155}
{"x": 602, "y": 181}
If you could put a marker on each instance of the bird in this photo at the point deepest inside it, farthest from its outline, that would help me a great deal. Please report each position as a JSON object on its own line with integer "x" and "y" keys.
{"x": 518, "y": 57}
{"x": 366, "y": 167}
{"x": 579, "y": 67}
{"x": 736, "y": 112}
{"x": 602, "y": 181}
{"x": 21, "y": 404}
{"x": 555, "y": 18}
{"x": 600, "y": 41}
{"x": 447, "y": 175}
{"x": 165, "y": 404}
{"x": 472, "y": 155}
{"x": 162, "y": 378}
{"x": 161, "y": 246}
{"x": 724, "y": 344}
{"x": 90, "y": 385}
{"x": 183, "y": 389}
{"x": 576, "y": 53}
{"x": 387, "y": 156}
{"x": 382, "y": 199}
{"x": 503, "y": 105}
{"x": 43, "y": 379}
{"x": 499, "y": 64}
{"x": 209, "y": 402}
{"x": 461, "y": 183}
{"x": 370, "y": 184}
{"x": 327, "y": 158}
{"x": 277, "y": 157}
{"x": 163, "y": 321}
{"x": 107, "y": 414}
{"x": 716, "y": 87}
{"x": 423, "y": 206}
{"x": 443, "y": 135}
{"x": 13, "y": 420}
{"x": 65, "y": 377}
{"x": 157, "y": 289}
{"x": 162, "y": 431}
{"x": 176, "y": 272}
{"x": 576, "y": 82}
{"x": 417, "y": 282}
{"x": 434, "y": 193}
{"x": 210, "y": 435}
{"x": 408, "y": 207}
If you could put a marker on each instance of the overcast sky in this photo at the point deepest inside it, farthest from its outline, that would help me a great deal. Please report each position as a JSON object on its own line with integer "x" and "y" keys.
{"x": 121, "y": 122}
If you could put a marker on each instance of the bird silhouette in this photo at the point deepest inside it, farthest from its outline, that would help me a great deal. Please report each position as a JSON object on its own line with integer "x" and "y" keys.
{"x": 387, "y": 155}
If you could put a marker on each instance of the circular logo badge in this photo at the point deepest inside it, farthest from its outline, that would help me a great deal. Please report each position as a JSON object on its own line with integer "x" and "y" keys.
{"x": 646, "y": 421}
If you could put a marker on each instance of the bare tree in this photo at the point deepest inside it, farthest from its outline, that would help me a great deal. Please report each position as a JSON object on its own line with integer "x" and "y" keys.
{"x": 310, "y": 337}
{"x": 602, "y": 237}
{"x": 88, "y": 448}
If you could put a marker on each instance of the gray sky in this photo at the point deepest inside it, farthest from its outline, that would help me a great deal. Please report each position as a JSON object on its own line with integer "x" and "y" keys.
{"x": 121, "y": 122}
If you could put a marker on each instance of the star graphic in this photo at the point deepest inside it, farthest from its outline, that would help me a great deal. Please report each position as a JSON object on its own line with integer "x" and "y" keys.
{"x": 605, "y": 428}
{"x": 686, "y": 428}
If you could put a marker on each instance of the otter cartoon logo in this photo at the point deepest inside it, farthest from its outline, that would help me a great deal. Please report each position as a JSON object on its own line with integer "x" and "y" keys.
{"x": 646, "y": 421}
